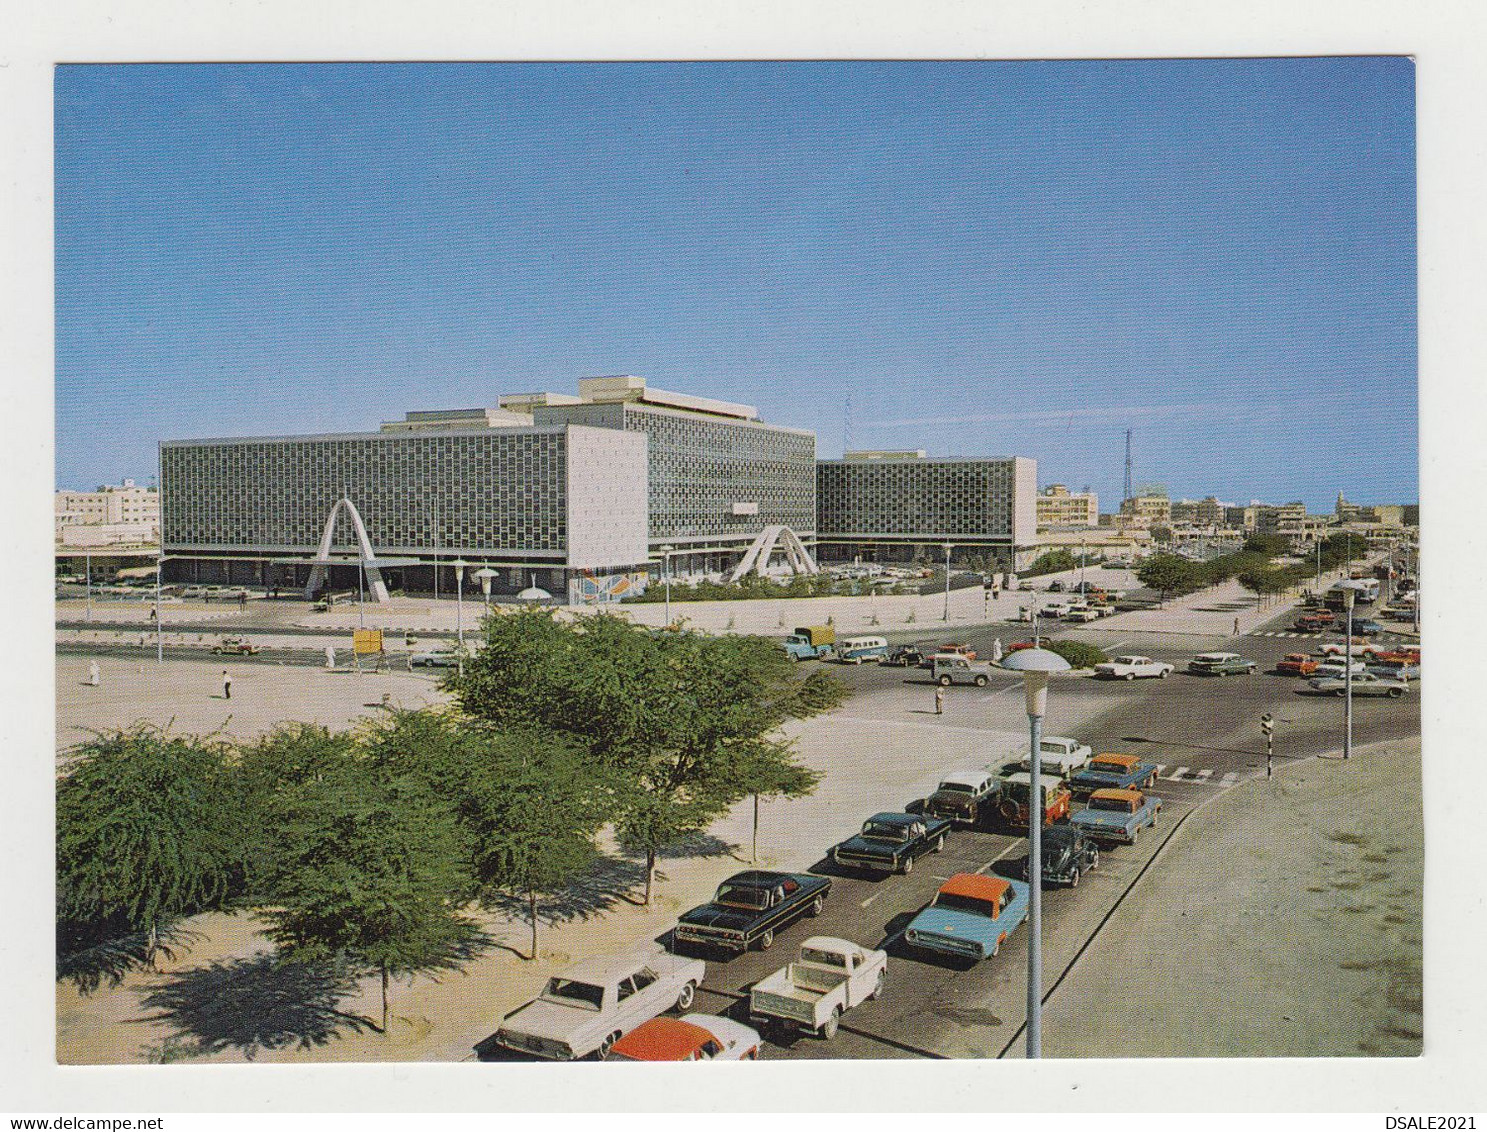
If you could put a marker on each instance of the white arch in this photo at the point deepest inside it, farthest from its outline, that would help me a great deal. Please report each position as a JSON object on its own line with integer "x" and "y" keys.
{"x": 756, "y": 558}
{"x": 368, "y": 557}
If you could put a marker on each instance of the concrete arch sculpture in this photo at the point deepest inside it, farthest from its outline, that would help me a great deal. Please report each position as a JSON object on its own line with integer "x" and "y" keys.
{"x": 756, "y": 558}
{"x": 368, "y": 557}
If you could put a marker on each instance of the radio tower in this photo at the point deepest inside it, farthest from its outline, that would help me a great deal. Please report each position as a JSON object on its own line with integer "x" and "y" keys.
{"x": 1129, "y": 487}
{"x": 847, "y": 426}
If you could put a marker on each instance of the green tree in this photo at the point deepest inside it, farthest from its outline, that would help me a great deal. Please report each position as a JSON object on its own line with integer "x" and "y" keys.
{"x": 148, "y": 832}
{"x": 1049, "y": 562}
{"x": 372, "y": 874}
{"x": 1077, "y": 653}
{"x": 685, "y": 721}
{"x": 1169, "y": 574}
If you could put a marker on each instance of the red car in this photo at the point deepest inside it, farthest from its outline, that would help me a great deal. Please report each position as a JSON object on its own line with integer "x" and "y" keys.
{"x": 1297, "y": 664}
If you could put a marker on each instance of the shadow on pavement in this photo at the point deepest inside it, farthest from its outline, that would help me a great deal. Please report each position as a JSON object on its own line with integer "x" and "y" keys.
{"x": 256, "y": 1004}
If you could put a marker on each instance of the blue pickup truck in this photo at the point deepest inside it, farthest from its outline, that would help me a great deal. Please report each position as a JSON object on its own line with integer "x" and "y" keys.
{"x": 1117, "y": 815}
{"x": 970, "y": 917}
{"x": 1113, "y": 772}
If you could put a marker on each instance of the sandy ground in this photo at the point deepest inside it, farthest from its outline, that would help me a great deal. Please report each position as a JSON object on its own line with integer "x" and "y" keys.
{"x": 1208, "y": 969}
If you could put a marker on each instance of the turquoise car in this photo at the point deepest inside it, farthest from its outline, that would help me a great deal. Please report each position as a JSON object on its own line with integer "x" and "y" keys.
{"x": 970, "y": 917}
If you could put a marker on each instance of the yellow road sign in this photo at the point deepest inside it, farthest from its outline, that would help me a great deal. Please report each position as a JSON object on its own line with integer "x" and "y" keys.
{"x": 366, "y": 641}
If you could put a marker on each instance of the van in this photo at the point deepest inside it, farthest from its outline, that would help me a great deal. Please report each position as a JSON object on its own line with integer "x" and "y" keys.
{"x": 854, "y": 650}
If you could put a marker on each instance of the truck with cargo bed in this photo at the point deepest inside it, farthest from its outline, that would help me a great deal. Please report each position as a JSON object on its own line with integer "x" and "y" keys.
{"x": 811, "y": 994}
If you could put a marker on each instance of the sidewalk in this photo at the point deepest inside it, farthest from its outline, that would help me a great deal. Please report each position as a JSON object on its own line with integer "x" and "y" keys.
{"x": 1311, "y": 949}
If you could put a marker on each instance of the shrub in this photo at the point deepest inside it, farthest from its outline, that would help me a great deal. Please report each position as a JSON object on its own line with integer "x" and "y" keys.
{"x": 1077, "y": 653}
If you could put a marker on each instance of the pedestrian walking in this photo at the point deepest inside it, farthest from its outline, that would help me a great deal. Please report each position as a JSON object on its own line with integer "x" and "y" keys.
{"x": 144, "y": 640}
{"x": 93, "y": 673}
{"x": 939, "y": 700}
{"x": 226, "y": 685}
{"x": 242, "y": 601}
{"x": 330, "y": 657}
{"x": 1236, "y": 626}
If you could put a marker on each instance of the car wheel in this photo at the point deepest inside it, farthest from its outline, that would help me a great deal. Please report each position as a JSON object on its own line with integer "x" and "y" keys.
{"x": 1074, "y": 878}
{"x": 1094, "y": 861}
{"x": 1340, "y": 692}
{"x": 684, "y": 999}
{"x": 1162, "y": 673}
{"x": 938, "y": 845}
{"x": 766, "y": 939}
{"x": 944, "y": 681}
{"x": 1135, "y": 835}
{"x": 606, "y": 1045}
{"x": 908, "y": 866}
{"x": 878, "y": 986}
{"x": 1130, "y": 676}
{"x": 980, "y": 681}
{"x": 1395, "y": 693}
{"x": 815, "y": 908}
{"x": 829, "y": 1027}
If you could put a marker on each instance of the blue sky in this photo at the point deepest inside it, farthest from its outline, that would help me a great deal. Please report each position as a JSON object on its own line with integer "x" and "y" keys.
{"x": 987, "y": 258}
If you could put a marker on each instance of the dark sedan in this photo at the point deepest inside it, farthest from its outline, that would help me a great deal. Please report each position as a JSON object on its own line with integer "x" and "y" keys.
{"x": 1364, "y": 627}
{"x": 749, "y": 908}
{"x": 889, "y": 843}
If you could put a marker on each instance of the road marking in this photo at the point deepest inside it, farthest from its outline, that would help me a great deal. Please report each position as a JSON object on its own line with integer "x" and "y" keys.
{"x": 1229, "y": 780}
{"x": 1201, "y": 775}
{"x": 997, "y": 858}
{"x": 998, "y": 692}
{"x": 870, "y": 899}
{"x": 1176, "y": 775}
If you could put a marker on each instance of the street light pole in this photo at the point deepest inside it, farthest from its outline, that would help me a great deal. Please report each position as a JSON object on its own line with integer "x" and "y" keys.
{"x": 88, "y": 582}
{"x": 1349, "y": 590}
{"x": 947, "y": 582}
{"x": 1035, "y": 664}
{"x": 1081, "y": 566}
{"x": 666, "y": 577}
{"x": 159, "y": 638}
{"x": 361, "y": 609}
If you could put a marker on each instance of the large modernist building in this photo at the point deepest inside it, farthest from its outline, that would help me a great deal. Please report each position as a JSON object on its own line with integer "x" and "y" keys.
{"x": 897, "y": 505}
{"x": 579, "y": 494}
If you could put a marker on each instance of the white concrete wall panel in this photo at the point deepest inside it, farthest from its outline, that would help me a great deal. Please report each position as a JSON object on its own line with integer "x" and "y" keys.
{"x": 608, "y": 493}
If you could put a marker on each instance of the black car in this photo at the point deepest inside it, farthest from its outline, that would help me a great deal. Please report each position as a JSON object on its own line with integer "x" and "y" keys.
{"x": 1055, "y": 587}
{"x": 1363, "y": 627}
{"x": 1067, "y": 855}
{"x": 906, "y": 656}
{"x": 751, "y": 907}
{"x": 889, "y": 843}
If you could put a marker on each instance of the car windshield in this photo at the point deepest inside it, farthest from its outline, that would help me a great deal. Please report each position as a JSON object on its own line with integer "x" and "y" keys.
{"x": 823, "y": 958}
{"x": 1053, "y": 748}
{"x": 1130, "y": 660}
{"x": 573, "y": 993}
{"x": 1119, "y": 805}
{"x": 965, "y": 904}
{"x": 884, "y": 831}
{"x": 739, "y": 896}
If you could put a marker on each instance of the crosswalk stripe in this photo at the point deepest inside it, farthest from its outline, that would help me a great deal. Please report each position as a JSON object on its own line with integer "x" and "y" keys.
{"x": 1176, "y": 775}
{"x": 1229, "y": 779}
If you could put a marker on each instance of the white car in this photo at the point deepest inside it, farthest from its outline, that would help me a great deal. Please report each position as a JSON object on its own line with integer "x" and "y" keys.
{"x": 1133, "y": 667}
{"x": 1082, "y": 614}
{"x": 590, "y": 1006}
{"x": 434, "y": 658}
{"x": 1059, "y": 755}
{"x": 1338, "y": 666}
{"x": 1055, "y": 609}
{"x": 1360, "y": 648}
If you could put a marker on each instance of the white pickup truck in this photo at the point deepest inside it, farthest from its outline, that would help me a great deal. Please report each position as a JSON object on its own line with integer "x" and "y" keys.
{"x": 830, "y": 978}
{"x": 1061, "y": 756}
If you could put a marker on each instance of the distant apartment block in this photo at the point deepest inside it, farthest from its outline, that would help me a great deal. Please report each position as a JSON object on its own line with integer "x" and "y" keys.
{"x": 122, "y": 515}
{"x": 1057, "y": 506}
{"x": 893, "y": 506}
{"x": 1145, "y": 511}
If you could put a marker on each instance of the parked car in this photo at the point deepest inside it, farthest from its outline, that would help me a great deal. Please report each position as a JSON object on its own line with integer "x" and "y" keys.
{"x": 810, "y": 642}
{"x": 1364, "y": 684}
{"x": 1082, "y": 615}
{"x": 1366, "y": 627}
{"x": 750, "y": 908}
{"x": 1067, "y": 855}
{"x": 1408, "y": 654}
{"x": 830, "y": 978}
{"x": 1395, "y": 670}
{"x": 956, "y": 650}
{"x": 1117, "y": 815}
{"x": 1055, "y": 609}
{"x": 970, "y": 917}
{"x": 950, "y": 668}
{"x": 889, "y": 842}
{"x": 235, "y": 646}
{"x": 590, "y": 1006}
{"x": 1296, "y": 664}
{"x": 1131, "y": 667}
{"x": 1221, "y": 664}
{"x": 1055, "y": 587}
{"x": 1016, "y": 789}
{"x": 1060, "y": 756}
{"x": 434, "y": 658}
{"x": 1361, "y": 647}
{"x": 1313, "y": 622}
{"x": 695, "y": 1037}
{"x": 1111, "y": 771}
{"x": 965, "y": 797}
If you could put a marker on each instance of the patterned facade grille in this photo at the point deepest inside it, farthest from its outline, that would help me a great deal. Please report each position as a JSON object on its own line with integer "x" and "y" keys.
{"x": 497, "y": 491}
{"x": 700, "y": 467}
{"x": 908, "y": 499}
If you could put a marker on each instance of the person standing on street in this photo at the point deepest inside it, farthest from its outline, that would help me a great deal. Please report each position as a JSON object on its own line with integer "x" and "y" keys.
{"x": 93, "y": 673}
{"x": 226, "y": 685}
{"x": 1236, "y": 626}
{"x": 939, "y": 700}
